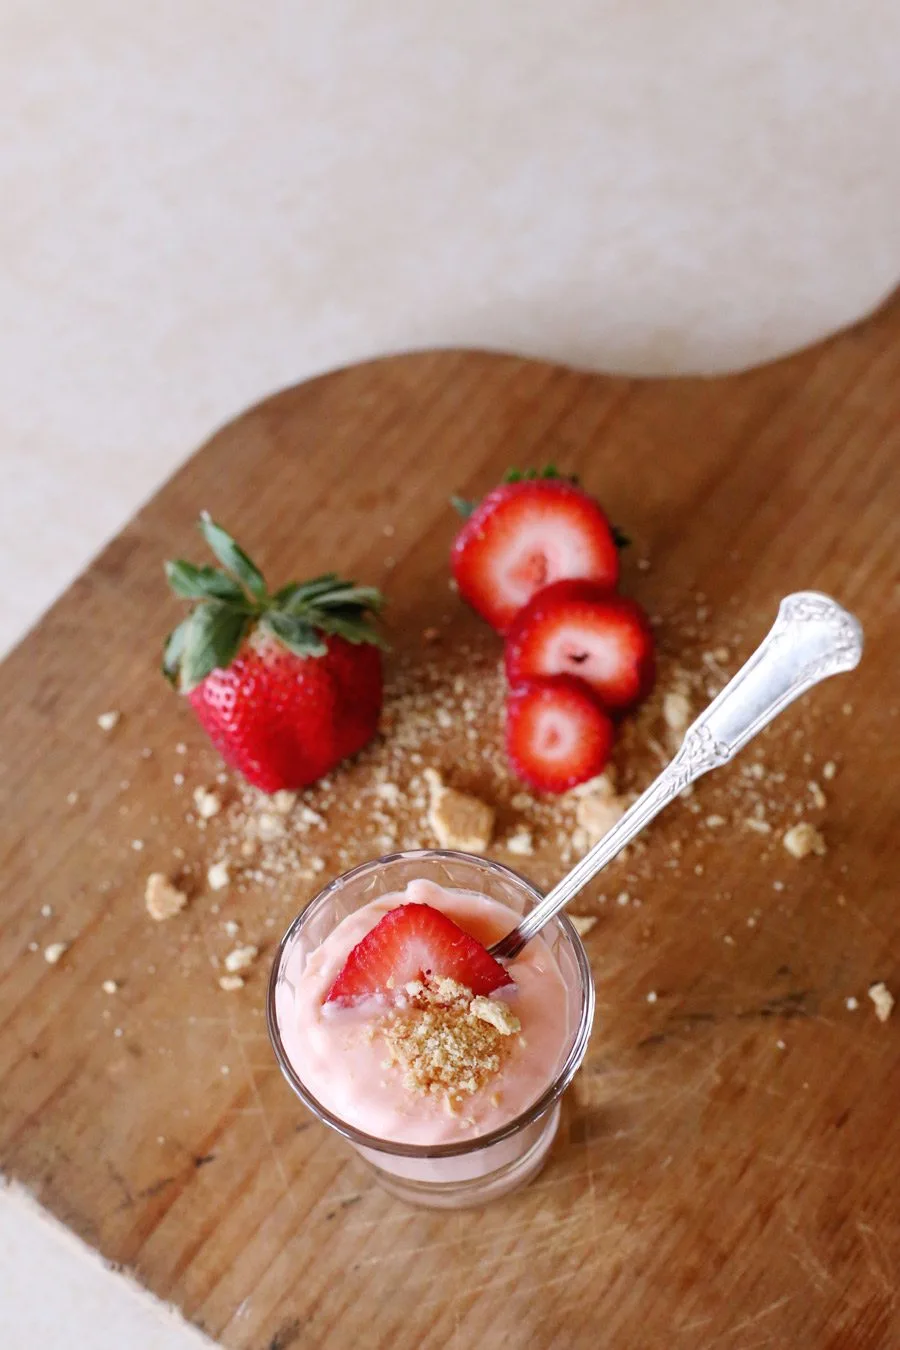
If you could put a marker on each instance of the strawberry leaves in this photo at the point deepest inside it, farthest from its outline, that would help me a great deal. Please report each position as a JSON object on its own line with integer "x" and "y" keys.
{"x": 215, "y": 634}
{"x": 297, "y": 634}
{"x": 232, "y": 557}
{"x": 229, "y": 601}
{"x": 201, "y": 583}
{"x": 535, "y": 475}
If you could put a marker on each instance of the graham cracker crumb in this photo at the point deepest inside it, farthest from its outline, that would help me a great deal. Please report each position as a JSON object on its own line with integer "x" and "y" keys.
{"x": 603, "y": 785}
{"x": 218, "y": 876}
{"x": 597, "y": 813}
{"x": 459, "y": 820}
{"x": 583, "y": 923}
{"x": 447, "y": 1042}
{"x": 521, "y": 843}
{"x": 496, "y": 1013}
{"x": 241, "y": 958}
{"x": 760, "y": 826}
{"x": 883, "y": 1000}
{"x": 676, "y": 709}
{"x": 55, "y": 952}
{"x": 162, "y": 898}
{"x": 284, "y": 801}
{"x": 108, "y": 721}
{"x": 207, "y": 802}
{"x": 269, "y": 827}
{"x": 231, "y": 982}
{"x": 802, "y": 839}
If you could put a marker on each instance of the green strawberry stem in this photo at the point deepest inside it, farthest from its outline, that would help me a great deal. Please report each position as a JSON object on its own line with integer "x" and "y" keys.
{"x": 230, "y": 600}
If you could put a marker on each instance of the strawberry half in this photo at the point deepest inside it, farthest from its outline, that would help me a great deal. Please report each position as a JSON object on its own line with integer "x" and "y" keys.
{"x": 287, "y": 684}
{"x": 410, "y": 942}
{"x": 557, "y": 735}
{"x": 525, "y": 535}
{"x": 578, "y": 628}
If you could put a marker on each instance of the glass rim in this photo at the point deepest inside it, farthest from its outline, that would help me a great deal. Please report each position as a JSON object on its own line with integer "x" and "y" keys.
{"x": 538, "y": 1107}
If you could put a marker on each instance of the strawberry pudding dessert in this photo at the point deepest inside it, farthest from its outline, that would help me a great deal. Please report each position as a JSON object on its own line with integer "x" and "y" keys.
{"x": 397, "y": 1027}
{"x": 403, "y": 1025}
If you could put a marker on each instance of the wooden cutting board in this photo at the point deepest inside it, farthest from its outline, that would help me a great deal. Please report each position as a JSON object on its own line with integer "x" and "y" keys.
{"x": 727, "y": 1171}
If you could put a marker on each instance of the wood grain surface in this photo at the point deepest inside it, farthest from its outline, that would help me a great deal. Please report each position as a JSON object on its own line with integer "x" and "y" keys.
{"x": 727, "y": 1173}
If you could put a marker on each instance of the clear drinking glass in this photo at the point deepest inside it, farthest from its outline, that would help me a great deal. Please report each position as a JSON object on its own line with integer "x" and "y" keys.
{"x": 470, "y": 1172}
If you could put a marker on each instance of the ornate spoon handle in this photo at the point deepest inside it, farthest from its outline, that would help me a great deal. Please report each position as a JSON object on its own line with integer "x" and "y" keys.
{"x": 812, "y": 637}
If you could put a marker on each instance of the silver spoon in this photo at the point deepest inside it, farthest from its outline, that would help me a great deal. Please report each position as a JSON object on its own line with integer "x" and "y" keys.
{"x": 813, "y": 637}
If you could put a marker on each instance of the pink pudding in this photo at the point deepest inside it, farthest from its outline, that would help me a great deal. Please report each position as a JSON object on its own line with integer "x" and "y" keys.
{"x": 348, "y": 1057}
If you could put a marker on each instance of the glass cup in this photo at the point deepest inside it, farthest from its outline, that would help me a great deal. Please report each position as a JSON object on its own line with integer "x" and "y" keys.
{"x": 472, "y": 1171}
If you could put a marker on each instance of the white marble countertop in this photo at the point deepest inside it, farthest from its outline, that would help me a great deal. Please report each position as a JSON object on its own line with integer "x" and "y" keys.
{"x": 204, "y": 202}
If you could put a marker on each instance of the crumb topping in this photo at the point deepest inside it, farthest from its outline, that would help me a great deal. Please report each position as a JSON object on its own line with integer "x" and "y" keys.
{"x": 208, "y": 802}
{"x": 459, "y": 820}
{"x": 802, "y": 839}
{"x": 883, "y": 1000}
{"x": 162, "y": 898}
{"x": 241, "y": 958}
{"x": 447, "y": 1042}
{"x": 230, "y": 983}
{"x": 582, "y": 923}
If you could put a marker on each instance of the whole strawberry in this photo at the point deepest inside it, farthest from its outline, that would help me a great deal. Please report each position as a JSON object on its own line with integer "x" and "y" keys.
{"x": 285, "y": 684}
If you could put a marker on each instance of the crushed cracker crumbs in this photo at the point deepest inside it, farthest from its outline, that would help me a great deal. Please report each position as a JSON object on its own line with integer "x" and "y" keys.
{"x": 163, "y": 899}
{"x": 230, "y": 983}
{"x": 218, "y": 876}
{"x": 583, "y": 923}
{"x": 520, "y": 843}
{"x": 459, "y": 820}
{"x": 802, "y": 839}
{"x": 882, "y": 999}
{"x": 208, "y": 802}
{"x": 447, "y": 1042}
{"x": 241, "y": 958}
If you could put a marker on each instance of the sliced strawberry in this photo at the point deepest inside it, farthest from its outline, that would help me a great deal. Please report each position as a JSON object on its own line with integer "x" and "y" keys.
{"x": 525, "y": 535}
{"x": 410, "y": 942}
{"x": 557, "y": 735}
{"x": 578, "y": 628}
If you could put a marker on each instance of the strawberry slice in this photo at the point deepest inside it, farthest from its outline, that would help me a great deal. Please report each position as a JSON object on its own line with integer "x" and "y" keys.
{"x": 578, "y": 628}
{"x": 412, "y": 941}
{"x": 557, "y": 735}
{"x": 525, "y": 535}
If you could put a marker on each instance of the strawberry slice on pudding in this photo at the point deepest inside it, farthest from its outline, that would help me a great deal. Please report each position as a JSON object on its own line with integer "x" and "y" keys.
{"x": 411, "y": 943}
